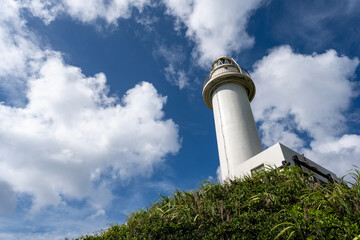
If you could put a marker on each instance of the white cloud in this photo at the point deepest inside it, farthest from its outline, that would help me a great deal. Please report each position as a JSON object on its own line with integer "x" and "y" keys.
{"x": 7, "y": 198}
{"x": 65, "y": 130}
{"x": 178, "y": 77}
{"x": 174, "y": 56}
{"x": 47, "y": 10}
{"x": 147, "y": 21}
{"x": 340, "y": 154}
{"x": 17, "y": 45}
{"x": 19, "y": 50}
{"x": 87, "y": 11}
{"x": 214, "y": 32}
{"x": 280, "y": 130}
{"x": 70, "y": 129}
{"x": 318, "y": 26}
{"x": 214, "y": 35}
{"x": 306, "y": 96}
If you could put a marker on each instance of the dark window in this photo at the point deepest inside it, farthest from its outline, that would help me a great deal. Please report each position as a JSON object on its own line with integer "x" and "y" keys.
{"x": 221, "y": 62}
{"x": 257, "y": 170}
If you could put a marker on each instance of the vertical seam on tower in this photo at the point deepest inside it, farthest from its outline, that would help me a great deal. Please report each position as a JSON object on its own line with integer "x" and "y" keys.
{"x": 222, "y": 133}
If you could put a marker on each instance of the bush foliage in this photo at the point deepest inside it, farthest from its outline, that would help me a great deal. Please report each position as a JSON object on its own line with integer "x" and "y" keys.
{"x": 276, "y": 204}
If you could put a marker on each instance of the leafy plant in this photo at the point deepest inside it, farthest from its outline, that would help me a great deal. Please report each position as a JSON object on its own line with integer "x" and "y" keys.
{"x": 274, "y": 204}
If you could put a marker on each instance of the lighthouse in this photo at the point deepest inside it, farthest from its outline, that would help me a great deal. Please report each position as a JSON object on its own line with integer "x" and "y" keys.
{"x": 228, "y": 90}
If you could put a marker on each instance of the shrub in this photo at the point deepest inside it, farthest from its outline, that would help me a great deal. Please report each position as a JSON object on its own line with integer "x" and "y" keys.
{"x": 274, "y": 204}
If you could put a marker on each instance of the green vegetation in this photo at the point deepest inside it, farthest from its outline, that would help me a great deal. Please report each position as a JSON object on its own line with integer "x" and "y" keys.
{"x": 276, "y": 204}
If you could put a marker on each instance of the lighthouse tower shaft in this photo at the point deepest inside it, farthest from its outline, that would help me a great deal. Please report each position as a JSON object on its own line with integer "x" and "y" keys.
{"x": 228, "y": 92}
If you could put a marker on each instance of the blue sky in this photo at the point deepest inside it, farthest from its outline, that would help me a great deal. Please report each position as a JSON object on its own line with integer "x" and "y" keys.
{"x": 101, "y": 108}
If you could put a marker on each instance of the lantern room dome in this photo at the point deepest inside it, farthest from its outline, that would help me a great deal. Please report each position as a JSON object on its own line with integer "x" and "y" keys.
{"x": 226, "y": 70}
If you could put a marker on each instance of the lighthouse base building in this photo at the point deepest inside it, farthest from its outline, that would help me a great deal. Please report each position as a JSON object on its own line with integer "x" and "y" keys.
{"x": 279, "y": 156}
{"x": 228, "y": 91}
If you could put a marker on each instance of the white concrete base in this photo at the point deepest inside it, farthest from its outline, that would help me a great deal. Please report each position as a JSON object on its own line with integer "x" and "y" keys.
{"x": 274, "y": 156}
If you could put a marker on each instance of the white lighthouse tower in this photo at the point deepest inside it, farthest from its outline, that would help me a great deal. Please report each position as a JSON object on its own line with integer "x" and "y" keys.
{"x": 228, "y": 91}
